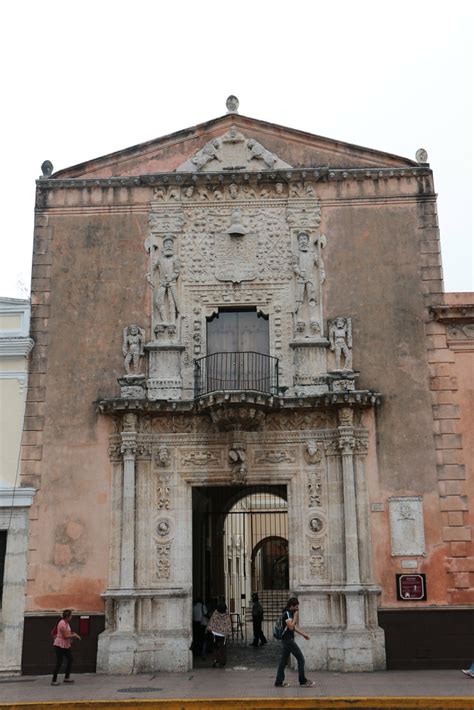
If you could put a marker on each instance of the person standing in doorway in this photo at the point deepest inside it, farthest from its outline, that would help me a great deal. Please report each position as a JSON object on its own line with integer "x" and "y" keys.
{"x": 289, "y": 622}
{"x": 62, "y": 646}
{"x": 257, "y": 618}
{"x": 221, "y": 628}
{"x": 200, "y": 620}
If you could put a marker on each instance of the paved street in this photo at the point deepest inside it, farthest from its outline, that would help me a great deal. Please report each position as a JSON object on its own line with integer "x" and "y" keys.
{"x": 238, "y": 682}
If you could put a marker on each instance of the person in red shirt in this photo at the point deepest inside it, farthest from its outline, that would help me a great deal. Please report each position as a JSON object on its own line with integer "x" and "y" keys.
{"x": 62, "y": 646}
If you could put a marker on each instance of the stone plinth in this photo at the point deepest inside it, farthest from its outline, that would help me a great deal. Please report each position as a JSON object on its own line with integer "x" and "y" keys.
{"x": 310, "y": 366}
{"x": 342, "y": 380}
{"x": 164, "y": 368}
{"x": 132, "y": 386}
{"x": 155, "y": 636}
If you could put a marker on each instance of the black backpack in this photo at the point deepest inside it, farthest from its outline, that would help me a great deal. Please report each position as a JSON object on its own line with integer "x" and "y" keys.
{"x": 279, "y": 627}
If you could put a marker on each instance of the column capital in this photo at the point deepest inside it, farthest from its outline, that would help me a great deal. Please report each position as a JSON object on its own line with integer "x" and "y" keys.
{"x": 128, "y": 448}
{"x": 347, "y": 440}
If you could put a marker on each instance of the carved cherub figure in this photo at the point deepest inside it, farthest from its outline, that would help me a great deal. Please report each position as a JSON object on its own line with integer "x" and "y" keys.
{"x": 340, "y": 338}
{"x": 133, "y": 342}
{"x": 310, "y": 274}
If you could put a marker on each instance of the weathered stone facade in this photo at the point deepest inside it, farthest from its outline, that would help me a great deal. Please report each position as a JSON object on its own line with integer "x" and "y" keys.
{"x": 139, "y": 251}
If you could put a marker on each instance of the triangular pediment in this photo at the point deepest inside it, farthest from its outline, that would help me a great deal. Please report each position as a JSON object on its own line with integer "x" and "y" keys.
{"x": 241, "y": 144}
{"x": 232, "y": 151}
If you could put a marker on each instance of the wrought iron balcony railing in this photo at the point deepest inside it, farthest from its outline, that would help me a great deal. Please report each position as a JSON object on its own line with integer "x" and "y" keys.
{"x": 235, "y": 371}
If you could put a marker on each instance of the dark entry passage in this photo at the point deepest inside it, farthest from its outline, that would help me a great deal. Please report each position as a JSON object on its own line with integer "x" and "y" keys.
{"x": 240, "y": 546}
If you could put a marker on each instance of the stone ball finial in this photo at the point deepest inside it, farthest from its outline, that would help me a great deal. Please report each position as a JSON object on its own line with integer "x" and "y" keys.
{"x": 421, "y": 155}
{"x": 46, "y": 168}
{"x": 232, "y": 104}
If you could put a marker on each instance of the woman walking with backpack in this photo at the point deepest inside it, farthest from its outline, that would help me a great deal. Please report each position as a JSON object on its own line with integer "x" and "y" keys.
{"x": 62, "y": 646}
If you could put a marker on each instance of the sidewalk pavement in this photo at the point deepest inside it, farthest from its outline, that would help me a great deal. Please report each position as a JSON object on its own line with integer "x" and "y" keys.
{"x": 240, "y": 682}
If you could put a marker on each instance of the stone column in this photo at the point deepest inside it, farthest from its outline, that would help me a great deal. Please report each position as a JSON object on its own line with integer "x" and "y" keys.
{"x": 354, "y": 600}
{"x": 126, "y": 608}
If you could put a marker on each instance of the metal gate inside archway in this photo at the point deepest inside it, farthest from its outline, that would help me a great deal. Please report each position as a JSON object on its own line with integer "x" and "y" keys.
{"x": 240, "y": 546}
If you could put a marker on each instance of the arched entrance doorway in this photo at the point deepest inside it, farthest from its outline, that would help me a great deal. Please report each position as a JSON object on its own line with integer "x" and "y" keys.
{"x": 240, "y": 545}
{"x": 270, "y": 569}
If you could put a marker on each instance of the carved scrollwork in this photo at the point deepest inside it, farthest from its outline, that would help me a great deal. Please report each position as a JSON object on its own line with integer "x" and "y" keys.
{"x": 115, "y": 451}
{"x": 316, "y": 559}
{"x": 314, "y": 491}
{"x": 163, "y": 562}
{"x": 163, "y": 492}
{"x": 274, "y": 456}
{"x": 201, "y": 458}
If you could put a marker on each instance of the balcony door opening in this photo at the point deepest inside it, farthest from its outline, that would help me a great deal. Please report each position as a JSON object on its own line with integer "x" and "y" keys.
{"x": 238, "y": 331}
{"x": 238, "y": 345}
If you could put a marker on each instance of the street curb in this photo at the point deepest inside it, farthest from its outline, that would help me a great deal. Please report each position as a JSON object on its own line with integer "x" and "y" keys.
{"x": 334, "y": 703}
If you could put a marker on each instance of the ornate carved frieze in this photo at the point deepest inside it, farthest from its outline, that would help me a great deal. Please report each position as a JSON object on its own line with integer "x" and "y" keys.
{"x": 164, "y": 220}
{"x": 304, "y": 216}
{"x": 264, "y": 457}
{"x": 460, "y": 332}
{"x": 210, "y": 252}
{"x": 182, "y": 423}
{"x": 300, "y": 421}
{"x": 202, "y": 458}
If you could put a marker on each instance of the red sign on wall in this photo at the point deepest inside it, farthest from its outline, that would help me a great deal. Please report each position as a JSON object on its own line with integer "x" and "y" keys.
{"x": 411, "y": 587}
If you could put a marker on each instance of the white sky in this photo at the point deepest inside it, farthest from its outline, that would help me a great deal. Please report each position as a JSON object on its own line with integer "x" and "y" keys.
{"x": 82, "y": 79}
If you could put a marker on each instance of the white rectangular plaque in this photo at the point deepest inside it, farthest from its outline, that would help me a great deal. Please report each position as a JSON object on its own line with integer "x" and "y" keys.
{"x": 406, "y": 525}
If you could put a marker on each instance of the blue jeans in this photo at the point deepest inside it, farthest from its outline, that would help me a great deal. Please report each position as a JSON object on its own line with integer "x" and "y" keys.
{"x": 290, "y": 647}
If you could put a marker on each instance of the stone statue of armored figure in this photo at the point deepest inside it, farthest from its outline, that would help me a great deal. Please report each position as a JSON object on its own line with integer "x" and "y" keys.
{"x": 340, "y": 339}
{"x": 163, "y": 278}
{"x": 310, "y": 275}
{"x": 133, "y": 350}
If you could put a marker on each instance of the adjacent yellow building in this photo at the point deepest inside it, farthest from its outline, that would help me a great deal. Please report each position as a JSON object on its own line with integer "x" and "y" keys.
{"x": 15, "y": 345}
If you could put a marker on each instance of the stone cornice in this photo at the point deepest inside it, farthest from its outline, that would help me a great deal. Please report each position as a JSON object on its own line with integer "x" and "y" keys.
{"x": 356, "y": 398}
{"x": 451, "y": 313}
{"x": 16, "y": 497}
{"x": 16, "y": 346}
{"x": 319, "y": 174}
